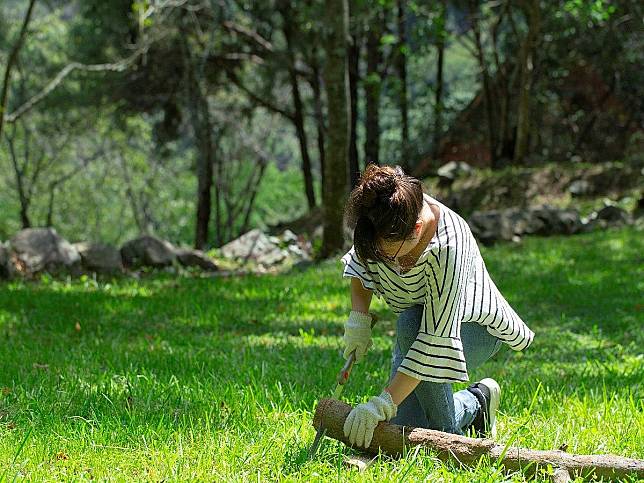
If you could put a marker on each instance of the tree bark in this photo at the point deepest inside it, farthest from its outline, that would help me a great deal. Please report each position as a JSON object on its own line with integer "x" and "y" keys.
{"x": 394, "y": 440}
{"x": 336, "y": 166}
{"x": 319, "y": 114}
{"x": 504, "y": 83}
{"x": 13, "y": 57}
{"x": 372, "y": 84}
{"x": 298, "y": 118}
{"x": 438, "y": 98}
{"x": 487, "y": 89}
{"x": 354, "y": 61}
{"x": 202, "y": 128}
{"x": 526, "y": 62}
{"x": 401, "y": 67}
{"x": 23, "y": 191}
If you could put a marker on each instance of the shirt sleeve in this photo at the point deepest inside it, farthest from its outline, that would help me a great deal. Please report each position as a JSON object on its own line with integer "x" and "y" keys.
{"x": 437, "y": 353}
{"x": 354, "y": 268}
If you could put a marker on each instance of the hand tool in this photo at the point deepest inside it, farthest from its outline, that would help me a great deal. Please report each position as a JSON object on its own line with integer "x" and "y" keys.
{"x": 341, "y": 380}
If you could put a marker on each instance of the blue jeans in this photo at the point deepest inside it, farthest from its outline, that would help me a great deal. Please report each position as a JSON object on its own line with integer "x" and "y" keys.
{"x": 433, "y": 405}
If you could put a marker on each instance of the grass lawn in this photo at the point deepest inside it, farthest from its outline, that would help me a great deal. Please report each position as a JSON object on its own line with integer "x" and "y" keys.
{"x": 216, "y": 379}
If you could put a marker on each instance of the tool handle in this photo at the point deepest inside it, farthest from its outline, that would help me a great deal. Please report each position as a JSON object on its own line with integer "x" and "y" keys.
{"x": 345, "y": 372}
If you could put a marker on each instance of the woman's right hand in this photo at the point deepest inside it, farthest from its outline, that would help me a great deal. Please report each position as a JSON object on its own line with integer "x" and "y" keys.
{"x": 357, "y": 334}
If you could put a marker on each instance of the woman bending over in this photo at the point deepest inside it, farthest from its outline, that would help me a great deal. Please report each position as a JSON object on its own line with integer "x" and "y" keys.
{"x": 421, "y": 258}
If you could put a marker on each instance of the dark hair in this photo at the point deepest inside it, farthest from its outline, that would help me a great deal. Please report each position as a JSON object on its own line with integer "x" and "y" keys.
{"x": 385, "y": 205}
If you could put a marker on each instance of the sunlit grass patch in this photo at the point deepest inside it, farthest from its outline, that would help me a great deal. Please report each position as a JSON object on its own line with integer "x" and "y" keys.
{"x": 217, "y": 379}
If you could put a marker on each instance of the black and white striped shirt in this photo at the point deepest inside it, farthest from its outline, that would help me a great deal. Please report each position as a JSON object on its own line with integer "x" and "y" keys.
{"x": 451, "y": 282}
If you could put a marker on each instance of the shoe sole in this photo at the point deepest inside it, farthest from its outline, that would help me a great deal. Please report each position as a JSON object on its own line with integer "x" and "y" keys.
{"x": 493, "y": 405}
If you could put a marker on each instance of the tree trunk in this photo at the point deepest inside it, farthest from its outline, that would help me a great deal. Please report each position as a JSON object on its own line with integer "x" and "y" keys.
{"x": 23, "y": 191}
{"x": 354, "y": 60}
{"x": 504, "y": 82}
{"x": 336, "y": 166}
{"x": 401, "y": 67}
{"x": 487, "y": 89}
{"x": 394, "y": 440}
{"x": 319, "y": 114}
{"x": 11, "y": 60}
{"x": 438, "y": 99}
{"x": 298, "y": 118}
{"x": 372, "y": 82}
{"x": 202, "y": 127}
{"x": 526, "y": 62}
{"x": 24, "y": 214}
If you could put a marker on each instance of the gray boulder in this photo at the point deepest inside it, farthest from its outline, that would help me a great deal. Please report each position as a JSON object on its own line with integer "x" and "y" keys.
{"x": 557, "y": 221}
{"x": 490, "y": 226}
{"x": 638, "y": 212}
{"x": 288, "y": 237}
{"x": 254, "y": 245}
{"x": 449, "y": 172}
{"x": 508, "y": 224}
{"x": 580, "y": 187}
{"x": 40, "y": 249}
{"x": 195, "y": 258}
{"x": 99, "y": 257}
{"x": 147, "y": 251}
{"x": 613, "y": 215}
{"x": 5, "y": 272}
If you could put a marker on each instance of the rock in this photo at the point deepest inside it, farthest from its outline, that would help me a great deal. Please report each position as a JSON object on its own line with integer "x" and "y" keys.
{"x": 558, "y": 221}
{"x": 289, "y": 237}
{"x": 449, "y": 172}
{"x": 147, "y": 251}
{"x": 638, "y": 212}
{"x": 39, "y": 249}
{"x": 507, "y": 225}
{"x": 189, "y": 257}
{"x": 490, "y": 226}
{"x": 273, "y": 257}
{"x": 99, "y": 257}
{"x": 254, "y": 245}
{"x": 613, "y": 215}
{"x": 580, "y": 187}
{"x": 5, "y": 272}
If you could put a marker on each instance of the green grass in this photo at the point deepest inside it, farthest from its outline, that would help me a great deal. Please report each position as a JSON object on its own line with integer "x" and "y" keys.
{"x": 216, "y": 379}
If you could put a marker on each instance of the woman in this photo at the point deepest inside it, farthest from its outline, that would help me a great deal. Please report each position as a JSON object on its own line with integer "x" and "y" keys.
{"x": 421, "y": 258}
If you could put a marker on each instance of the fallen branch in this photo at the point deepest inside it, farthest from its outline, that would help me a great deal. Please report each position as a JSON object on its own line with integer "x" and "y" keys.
{"x": 393, "y": 439}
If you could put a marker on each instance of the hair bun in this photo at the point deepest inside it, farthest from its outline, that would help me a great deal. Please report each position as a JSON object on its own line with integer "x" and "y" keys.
{"x": 368, "y": 197}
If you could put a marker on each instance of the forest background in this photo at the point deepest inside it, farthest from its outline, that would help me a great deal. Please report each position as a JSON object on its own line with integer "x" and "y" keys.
{"x": 197, "y": 120}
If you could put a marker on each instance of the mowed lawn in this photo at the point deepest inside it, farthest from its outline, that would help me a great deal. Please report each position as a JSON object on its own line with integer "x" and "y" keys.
{"x": 216, "y": 379}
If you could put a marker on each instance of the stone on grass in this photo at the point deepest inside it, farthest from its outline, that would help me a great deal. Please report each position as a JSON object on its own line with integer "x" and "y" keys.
{"x": 254, "y": 245}
{"x": 495, "y": 225}
{"x": 42, "y": 249}
{"x": 147, "y": 251}
{"x": 288, "y": 237}
{"x": 189, "y": 257}
{"x": 613, "y": 215}
{"x": 580, "y": 187}
{"x": 99, "y": 257}
{"x": 5, "y": 272}
{"x": 638, "y": 212}
{"x": 449, "y": 172}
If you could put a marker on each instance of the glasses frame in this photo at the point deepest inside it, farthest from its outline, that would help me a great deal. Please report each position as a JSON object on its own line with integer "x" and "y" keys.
{"x": 392, "y": 259}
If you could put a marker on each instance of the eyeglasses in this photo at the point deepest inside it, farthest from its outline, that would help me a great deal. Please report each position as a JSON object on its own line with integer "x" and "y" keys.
{"x": 389, "y": 259}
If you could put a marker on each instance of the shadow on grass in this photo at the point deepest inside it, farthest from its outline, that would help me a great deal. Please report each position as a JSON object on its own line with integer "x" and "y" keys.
{"x": 164, "y": 351}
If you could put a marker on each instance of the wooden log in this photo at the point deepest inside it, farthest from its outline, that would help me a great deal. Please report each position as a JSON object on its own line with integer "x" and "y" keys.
{"x": 394, "y": 440}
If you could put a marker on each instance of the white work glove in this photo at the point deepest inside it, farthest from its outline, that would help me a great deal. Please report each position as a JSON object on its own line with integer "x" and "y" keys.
{"x": 364, "y": 418}
{"x": 357, "y": 334}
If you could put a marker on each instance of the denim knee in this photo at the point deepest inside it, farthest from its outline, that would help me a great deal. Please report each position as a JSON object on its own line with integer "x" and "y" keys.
{"x": 407, "y": 327}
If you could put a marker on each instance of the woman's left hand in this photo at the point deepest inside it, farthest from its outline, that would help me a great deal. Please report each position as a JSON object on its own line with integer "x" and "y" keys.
{"x": 364, "y": 418}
